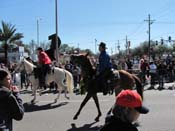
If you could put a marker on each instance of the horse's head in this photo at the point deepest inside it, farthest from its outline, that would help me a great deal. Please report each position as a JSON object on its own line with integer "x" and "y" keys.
{"x": 79, "y": 58}
{"x": 84, "y": 62}
{"x": 24, "y": 65}
{"x": 76, "y": 59}
{"x": 20, "y": 66}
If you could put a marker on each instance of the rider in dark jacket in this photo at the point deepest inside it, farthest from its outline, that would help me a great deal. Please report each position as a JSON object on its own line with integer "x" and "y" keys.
{"x": 104, "y": 68}
{"x": 11, "y": 106}
{"x": 104, "y": 59}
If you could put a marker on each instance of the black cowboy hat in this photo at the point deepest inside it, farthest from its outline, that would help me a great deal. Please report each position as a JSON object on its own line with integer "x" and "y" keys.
{"x": 103, "y": 45}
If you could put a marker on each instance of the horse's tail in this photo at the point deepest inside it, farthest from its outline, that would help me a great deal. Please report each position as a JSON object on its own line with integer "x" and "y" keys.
{"x": 139, "y": 86}
{"x": 69, "y": 81}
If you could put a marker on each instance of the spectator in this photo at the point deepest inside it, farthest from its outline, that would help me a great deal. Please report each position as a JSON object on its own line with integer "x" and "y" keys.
{"x": 168, "y": 59}
{"x": 153, "y": 72}
{"x": 68, "y": 66}
{"x": 161, "y": 68}
{"x": 144, "y": 68}
{"x": 11, "y": 103}
{"x": 129, "y": 65}
{"x": 126, "y": 111}
{"x": 23, "y": 79}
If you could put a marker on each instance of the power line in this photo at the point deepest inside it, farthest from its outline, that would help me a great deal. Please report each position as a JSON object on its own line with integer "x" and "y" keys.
{"x": 139, "y": 28}
{"x": 165, "y": 9}
{"x": 149, "y": 32}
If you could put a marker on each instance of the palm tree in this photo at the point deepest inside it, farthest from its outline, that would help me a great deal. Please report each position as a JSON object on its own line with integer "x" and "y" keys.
{"x": 8, "y": 36}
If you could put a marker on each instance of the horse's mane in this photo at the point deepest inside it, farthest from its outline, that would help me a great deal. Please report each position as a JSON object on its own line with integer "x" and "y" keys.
{"x": 29, "y": 64}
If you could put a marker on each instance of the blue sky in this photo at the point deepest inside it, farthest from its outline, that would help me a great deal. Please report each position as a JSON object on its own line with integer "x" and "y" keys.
{"x": 80, "y": 22}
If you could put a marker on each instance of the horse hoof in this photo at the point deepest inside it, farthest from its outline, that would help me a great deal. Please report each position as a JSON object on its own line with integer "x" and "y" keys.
{"x": 68, "y": 98}
{"x": 97, "y": 118}
{"x": 55, "y": 101}
{"x": 33, "y": 101}
{"x": 75, "y": 117}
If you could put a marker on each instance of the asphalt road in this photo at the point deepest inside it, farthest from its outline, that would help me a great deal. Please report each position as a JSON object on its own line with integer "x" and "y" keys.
{"x": 48, "y": 116}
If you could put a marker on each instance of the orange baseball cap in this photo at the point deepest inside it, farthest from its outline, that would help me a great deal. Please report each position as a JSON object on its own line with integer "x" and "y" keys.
{"x": 130, "y": 98}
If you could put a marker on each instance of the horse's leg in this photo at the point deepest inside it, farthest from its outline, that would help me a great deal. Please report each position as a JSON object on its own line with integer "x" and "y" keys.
{"x": 59, "y": 93}
{"x": 139, "y": 86}
{"x": 86, "y": 99}
{"x": 98, "y": 106}
{"x": 65, "y": 94}
{"x": 65, "y": 91}
{"x": 34, "y": 93}
{"x": 40, "y": 91}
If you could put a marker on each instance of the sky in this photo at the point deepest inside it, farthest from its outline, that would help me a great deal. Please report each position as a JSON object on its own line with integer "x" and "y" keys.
{"x": 82, "y": 22}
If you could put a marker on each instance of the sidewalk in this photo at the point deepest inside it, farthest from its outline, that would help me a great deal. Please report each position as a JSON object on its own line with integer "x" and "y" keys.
{"x": 167, "y": 86}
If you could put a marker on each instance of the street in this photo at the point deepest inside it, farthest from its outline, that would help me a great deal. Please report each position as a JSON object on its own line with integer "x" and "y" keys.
{"x": 48, "y": 116}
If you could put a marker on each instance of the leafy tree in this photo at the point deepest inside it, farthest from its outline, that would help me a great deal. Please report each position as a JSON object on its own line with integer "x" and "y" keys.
{"x": 8, "y": 36}
{"x": 65, "y": 48}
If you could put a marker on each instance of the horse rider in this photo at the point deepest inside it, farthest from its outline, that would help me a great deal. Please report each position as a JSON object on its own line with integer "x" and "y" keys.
{"x": 44, "y": 63}
{"x": 104, "y": 67}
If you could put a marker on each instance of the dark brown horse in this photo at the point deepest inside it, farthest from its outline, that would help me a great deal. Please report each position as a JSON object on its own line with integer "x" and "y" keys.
{"x": 123, "y": 80}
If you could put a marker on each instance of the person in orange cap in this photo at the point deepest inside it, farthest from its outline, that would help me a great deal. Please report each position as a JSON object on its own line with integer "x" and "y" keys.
{"x": 126, "y": 111}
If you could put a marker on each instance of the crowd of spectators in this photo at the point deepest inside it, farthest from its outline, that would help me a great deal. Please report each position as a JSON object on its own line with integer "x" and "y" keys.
{"x": 156, "y": 71}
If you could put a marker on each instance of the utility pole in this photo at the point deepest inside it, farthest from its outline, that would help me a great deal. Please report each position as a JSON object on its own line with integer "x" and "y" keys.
{"x": 37, "y": 22}
{"x": 126, "y": 42}
{"x": 95, "y": 46}
{"x": 149, "y": 34}
{"x": 56, "y": 26}
{"x": 118, "y": 47}
{"x": 115, "y": 48}
{"x": 37, "y": 32}
{"x": 126, "y": 45}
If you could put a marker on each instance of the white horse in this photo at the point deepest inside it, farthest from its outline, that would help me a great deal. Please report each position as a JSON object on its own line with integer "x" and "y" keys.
{"x": 61, "y": 77}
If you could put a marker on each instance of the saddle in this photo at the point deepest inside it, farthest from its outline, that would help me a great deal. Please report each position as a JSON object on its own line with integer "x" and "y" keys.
{"x": 50, "y": 69}
{"x": 110, "y": 79}
{"x": 38, "y": 70}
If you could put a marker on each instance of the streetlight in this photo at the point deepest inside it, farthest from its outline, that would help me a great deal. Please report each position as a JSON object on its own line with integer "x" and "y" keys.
{"x": 37, "y": 22}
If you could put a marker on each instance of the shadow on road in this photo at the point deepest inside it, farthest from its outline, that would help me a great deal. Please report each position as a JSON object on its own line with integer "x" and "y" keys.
{"x": 86, "y": 127}
{"x": 25, "y": 92}
{"x": 29, "y": 107}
